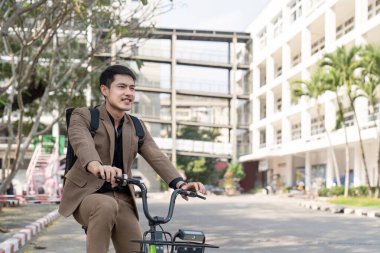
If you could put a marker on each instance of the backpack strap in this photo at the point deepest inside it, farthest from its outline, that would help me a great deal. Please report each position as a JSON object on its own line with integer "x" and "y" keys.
{"x": 94, "y": 121}
{"x": 139, "y": 131}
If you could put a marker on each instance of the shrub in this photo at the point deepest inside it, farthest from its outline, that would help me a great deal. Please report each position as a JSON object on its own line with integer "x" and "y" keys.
{"x": 360, "y": 191}
{"x": 323, "y": 192}
{"x": 337, "y": 191}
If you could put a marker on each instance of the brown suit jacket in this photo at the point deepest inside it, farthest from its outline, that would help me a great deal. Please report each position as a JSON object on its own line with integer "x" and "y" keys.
{"x": 79, "y": 182}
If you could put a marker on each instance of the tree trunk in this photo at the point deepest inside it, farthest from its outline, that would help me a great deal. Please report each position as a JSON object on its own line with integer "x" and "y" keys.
{"x": 368, "y": 183}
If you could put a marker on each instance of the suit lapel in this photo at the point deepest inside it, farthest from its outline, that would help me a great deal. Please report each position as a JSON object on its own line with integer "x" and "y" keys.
{"x": 105, "y": 119}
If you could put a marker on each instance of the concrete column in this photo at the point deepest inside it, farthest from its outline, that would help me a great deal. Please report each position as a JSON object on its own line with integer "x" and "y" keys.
{"x": 174, "y": 96}
{"x": 233, "y": 107}
{"x": 305, "y": 44}
{"x": 89, "y": 44}
{"x": 359, "y": 178}
{"x": 330, "y": 115}
{"x": 270, "y": 104}
{"x": 329, "y": 169}
{"x": 256, "y": 48}
{"x": 307, "y": 171}
{"x": 270, "y": 135}
{"x": 286, "y": 130}
{"x": 330, "y": 29}
{"x": 286, "y": 95}
{"x": 270, "y": 69}
{"x": 290, "y": 172}
{"x": 256, "y": 140}
{"x": 361, "y": 107}
{"x": 113, "y": 48}
{"x": 286, "y": 58}
{"x": 256, "y": 78}
{"x": 305, "y": 124}
{"x": 361, "y": 13}
{"x": 285, "y": 17}
{"x": 256, "y": 110}
{"x": 270, "y": 34}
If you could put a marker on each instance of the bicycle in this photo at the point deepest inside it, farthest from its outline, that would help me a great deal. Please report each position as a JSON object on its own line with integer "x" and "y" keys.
{"x": 154, "y": 240}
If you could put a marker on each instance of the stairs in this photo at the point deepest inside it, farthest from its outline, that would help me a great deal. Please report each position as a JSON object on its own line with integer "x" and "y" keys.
{"x": 43, "y": 174}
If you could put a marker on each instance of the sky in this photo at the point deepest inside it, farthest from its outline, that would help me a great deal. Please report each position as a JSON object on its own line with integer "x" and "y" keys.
{"x": 218, "y": 15}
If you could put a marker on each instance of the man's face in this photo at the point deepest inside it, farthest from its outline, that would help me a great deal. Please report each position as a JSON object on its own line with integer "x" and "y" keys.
{"x": 121, "y": 94}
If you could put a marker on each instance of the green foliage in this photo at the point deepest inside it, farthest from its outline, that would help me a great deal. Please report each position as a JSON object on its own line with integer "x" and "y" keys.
{"x": 357, "y": 201}
{"x": 236, "y": 169}
{"x": 359, "y": 191}
{"x": 323, "y": 192}
{"x": 337, "y": 191}
{"x": 198, "y": 169}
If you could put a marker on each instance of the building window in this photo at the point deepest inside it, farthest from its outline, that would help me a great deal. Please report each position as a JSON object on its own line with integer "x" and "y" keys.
{"x": 348, "y": 117}
{"x": 296, "y": 59}
{"x": 262, "y": 138}
{"x": 278, "y": 71}
{"x": 278, "y": 136}
{"x": 262, "y": 36}
{"x": 243, "y": 112}
{"x": 278, "y": 104}
{"x": 373, "y": 8}
{"x": 263, "y": 109}
{"x": 277, "y": 26}
{"x": 317, "y": 125}
{"x": 153, "y": 105}
{"x": 318, "y": 176}
{"x": 345, "y": 27}
{"x": 296, "y": 131}
{"x": 376, "y": 112}
{"x": 318, "y": 45}
{"x": 295, "y": 10}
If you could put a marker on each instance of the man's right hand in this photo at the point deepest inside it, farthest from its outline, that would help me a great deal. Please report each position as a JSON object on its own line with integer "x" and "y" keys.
{"x": 105, "y": 172}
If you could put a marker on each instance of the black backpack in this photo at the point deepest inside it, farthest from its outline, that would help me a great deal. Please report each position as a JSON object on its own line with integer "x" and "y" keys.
{"x": 70, "y": 155}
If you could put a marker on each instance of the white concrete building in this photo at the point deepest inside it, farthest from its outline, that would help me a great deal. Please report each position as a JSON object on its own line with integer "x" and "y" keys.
{"x": 289, "y": 142}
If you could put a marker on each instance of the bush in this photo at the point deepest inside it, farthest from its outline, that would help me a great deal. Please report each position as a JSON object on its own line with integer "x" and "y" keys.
{"x": 337, "y": 191}
{"x": 360, "y": 191}
{"x": 323, "y": 192}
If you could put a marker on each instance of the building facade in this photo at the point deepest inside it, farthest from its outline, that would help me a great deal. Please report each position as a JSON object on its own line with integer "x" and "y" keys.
{"x": 198, "y": 79}
{"x": 290, "y": 145}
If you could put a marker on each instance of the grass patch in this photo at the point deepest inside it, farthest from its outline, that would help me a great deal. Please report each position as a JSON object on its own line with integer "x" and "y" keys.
{"x": 356, "y": 201}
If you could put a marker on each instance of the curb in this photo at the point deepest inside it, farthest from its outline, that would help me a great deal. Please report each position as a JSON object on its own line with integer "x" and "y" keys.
{"x": 19, "y": 239}
{"x": 339, "y": 209}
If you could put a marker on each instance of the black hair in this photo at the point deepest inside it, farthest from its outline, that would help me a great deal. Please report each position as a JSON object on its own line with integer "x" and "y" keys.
{"x": 107, "y": 76}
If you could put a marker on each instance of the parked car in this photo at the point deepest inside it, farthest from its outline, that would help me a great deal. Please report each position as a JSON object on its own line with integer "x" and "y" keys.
{"x": 136, "y": 174}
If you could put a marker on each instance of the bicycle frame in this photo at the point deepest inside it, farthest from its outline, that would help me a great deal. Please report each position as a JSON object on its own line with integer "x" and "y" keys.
{"x": 155, "y": 241}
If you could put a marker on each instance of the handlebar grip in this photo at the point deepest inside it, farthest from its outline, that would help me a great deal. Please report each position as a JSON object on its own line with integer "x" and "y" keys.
{"x": 191, "y": 194}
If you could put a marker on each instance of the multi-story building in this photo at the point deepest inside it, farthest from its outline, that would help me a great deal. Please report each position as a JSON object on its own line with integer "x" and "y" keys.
{"x": 193, "y": 78}
{"x": 289, "y": 143}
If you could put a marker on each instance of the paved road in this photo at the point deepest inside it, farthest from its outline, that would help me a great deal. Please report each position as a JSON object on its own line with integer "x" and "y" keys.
{"x": 247, "y": 223}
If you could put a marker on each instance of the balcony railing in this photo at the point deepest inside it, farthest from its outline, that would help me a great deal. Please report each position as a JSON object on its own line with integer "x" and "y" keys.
{"x": 193, "y": 146}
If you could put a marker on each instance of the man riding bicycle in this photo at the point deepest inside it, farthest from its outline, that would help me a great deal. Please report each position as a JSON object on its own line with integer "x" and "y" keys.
{"x": 90, "y": 193}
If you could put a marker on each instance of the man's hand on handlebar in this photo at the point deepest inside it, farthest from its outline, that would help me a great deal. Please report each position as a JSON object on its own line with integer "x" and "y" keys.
{"x": 106, "y": 172}
{"x": 197, "y": 187}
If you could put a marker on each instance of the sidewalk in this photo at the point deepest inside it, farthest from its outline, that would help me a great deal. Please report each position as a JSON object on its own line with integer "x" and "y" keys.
{"x": 20, "y": 223}
{"x": 321, "y": 204}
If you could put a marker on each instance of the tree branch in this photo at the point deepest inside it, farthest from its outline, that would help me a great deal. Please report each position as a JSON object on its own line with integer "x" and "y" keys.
{"x": 17, "y": 14}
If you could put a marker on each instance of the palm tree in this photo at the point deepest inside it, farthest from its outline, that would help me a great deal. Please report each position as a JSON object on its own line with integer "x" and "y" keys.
{"x": 369, "y": 87}
{"x": 313, "y": 89}
{"x": 345, "y": 65}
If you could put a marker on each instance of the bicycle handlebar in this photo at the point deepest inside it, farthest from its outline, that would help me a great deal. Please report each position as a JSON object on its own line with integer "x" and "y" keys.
{"x": 123, "y": 181}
